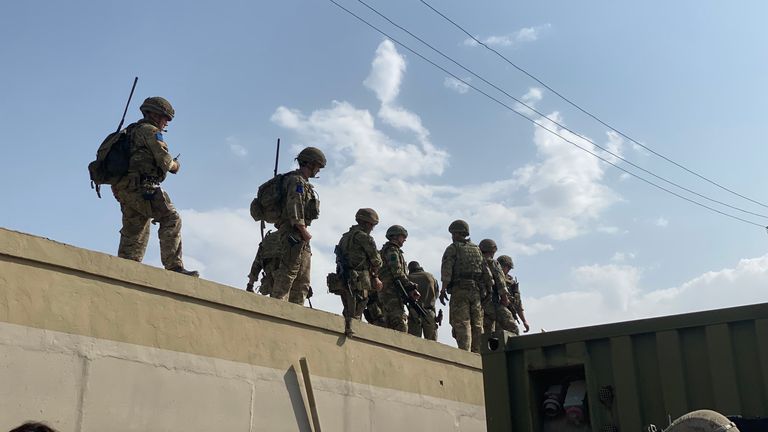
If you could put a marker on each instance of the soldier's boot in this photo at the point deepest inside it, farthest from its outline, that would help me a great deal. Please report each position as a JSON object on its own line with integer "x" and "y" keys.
{"x": 182, "y": 270}
{"x": 348, "y": 332}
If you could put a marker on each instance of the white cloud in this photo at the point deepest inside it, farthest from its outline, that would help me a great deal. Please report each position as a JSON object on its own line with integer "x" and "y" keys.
{"x": 235, "y": 147}
{"x": 556, "y": 197}
{"x": 661, "y": 222}
{"x": 456, "y": 85}
{"x": 622, "y": 256}
{"x": 611, "y": 293}
{"x": 526, "y": 34}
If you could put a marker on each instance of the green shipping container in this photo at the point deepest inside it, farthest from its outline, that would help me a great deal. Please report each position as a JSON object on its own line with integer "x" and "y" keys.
{"x": 630, "y": 375}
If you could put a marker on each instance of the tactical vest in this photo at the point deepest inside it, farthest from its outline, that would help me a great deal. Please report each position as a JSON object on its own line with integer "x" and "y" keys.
{"x": 356, "y": 257}
{"x": 469, "y": 261}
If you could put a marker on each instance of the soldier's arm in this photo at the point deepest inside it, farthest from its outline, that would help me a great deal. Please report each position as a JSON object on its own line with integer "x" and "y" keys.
{"x": 152, "y": 139}
{"x": 446, "y": 269}
{"x": 374, "y": 258}
{"x": 294, "y": 201}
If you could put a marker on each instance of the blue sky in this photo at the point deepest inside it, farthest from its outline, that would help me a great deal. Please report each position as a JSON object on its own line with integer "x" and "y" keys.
{"x": 685, "y": 78}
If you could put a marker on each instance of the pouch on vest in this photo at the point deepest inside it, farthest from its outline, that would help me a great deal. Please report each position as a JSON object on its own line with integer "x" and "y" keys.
{"x": 268, "y": 204}
{"x": 112, "y": 160}
{"x": 335, "y": 284}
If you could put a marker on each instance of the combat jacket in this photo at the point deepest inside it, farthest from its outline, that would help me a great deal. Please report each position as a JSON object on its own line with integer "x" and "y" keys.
{"x": 498, "y": 278}
{"x": 301, "y": 203}
{"x": 514, "y": 289}
{"x": 463, "y": 261}
{"x": 150, "y": 159}
{"x": 360, "y": 251}
{"x": 393, "y": 267}
{"x": 427, "y": 287}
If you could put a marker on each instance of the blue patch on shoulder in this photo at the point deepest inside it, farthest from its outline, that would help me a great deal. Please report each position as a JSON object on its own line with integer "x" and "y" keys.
{"x": 299, "y": 188}
{"x": 158, "y": 136}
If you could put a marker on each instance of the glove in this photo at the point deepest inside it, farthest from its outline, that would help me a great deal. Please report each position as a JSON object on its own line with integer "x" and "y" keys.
{"x": 439, "y": 318}
{"x": 443, "y": 296}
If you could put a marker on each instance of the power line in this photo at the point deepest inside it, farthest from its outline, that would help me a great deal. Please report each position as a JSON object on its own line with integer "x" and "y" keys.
{"x": 554, "y": 121}
{"x": 583, "y": 110}
{"x": 537, "y": 123}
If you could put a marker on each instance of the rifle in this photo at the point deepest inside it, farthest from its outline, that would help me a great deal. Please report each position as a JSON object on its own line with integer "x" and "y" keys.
{"x": 310, "y": 293}
{"x": 410, "y": 301}
{"x": 274, "y": 174}
{"x": 342, "y": 269}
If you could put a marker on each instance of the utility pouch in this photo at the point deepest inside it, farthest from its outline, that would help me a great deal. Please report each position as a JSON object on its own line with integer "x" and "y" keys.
{"x": 335, "y": 284}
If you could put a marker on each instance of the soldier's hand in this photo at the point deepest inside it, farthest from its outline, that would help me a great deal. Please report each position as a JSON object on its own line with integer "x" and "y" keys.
{"x": 415, "y": 294}
{"x": 175, "y": 166}
{"x": 439, "y": 318}
{"x": 378, "y": 285}
{"x": 527, "y": 327}
{"x": 305, "y": 235}
{"x": 504, "y": 300}
{"x": 443, "y": 296}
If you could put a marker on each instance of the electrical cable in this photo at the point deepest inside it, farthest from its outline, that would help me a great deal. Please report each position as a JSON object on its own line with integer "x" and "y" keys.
{"x": 583, "y": 110}
{"x": 556, "y": 122}
{"x": 537, "y": 123}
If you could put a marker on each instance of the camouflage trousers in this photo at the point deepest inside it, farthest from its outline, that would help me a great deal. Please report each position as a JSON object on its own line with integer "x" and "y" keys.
{"x": 291, "y": 279}
{"x": 419, "y": 326}
{"x": 134, "y": 235}
{"x": 495, "y": 313}
{"x": 394, "y": 309}
{"x": 354, "y": 304}
{"x": 374, "y": 312}
{"x": 466, "y": 315}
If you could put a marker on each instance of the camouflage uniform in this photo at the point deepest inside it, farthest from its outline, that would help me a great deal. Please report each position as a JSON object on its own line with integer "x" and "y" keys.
{"x": 462, "y": 273}
{"x": 301, "y": 207}
{"x": 493, "y": 311}
{"x": 374, "y": 310}
{"x": 393, "y": 269}
{"x": 364, "y": 262}
{"x": 428, "y": 290}
{"x": 267, "y": 260}
{"x": 141, "y": 198}
{"x": 515, "y": 301}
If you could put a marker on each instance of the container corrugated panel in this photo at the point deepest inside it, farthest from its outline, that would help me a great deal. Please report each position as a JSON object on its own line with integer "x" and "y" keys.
{"x": 647, "y": 371}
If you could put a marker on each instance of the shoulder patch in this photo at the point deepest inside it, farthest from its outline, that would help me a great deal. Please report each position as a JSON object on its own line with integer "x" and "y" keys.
{"x": 158, "y": 136}
{"x": 299, "y": 188}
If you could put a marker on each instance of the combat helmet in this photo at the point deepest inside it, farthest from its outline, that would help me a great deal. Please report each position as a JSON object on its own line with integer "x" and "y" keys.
{"x": 396, "y": 230}
{"x": 414, "y": 266}
{"x": 311, "y": 155}
{"x": 505, "y": 261}
{"x": 157, "y": 104}
{"x": 459, "y": 227}
{"x": 487, "y": 245}
{"x": 367, "y": 215}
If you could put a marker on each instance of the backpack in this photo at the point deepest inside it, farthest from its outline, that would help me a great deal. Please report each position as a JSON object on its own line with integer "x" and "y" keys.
{"x": 112, "y": 160}
{"x": 268, "y": 204}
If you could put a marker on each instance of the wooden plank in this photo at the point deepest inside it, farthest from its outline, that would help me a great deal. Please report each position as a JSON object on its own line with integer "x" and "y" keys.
{"x": 310, "y": 394}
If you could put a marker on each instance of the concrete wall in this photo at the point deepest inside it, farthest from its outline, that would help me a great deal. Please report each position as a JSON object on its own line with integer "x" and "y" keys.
{"x": 91, "y": 342}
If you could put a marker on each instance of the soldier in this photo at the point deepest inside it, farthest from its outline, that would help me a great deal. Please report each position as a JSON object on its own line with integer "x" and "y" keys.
{"x": 462, "y": 273}
{"x": 301, "y": 206}
{"x": 428, "y": 289}
{"x": 139, "y": 194}
{"x": 394, "y": 271}
{"x": 516, "y": 303}
{"x": 360, "y": 263}
{"x": 267, "y": 260}
{"x": 496, "y": 297}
